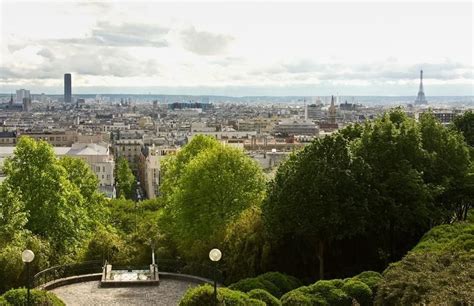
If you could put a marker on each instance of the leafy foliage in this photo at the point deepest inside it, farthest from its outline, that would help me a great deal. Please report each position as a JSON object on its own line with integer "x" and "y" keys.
{"x": 204, "y": 295}
{"x": 47, "y": 205}
{"x": 465, "y": 124}
{"x": 318, "y": 195}
{"x": 249, "y": 284}
{"x": 245, "y": 245}
{"x": 358, "y": 291}
{"x": 18, "y": 297}
{"x": 262, "y": 295}
{"x": 371, "y": 279}
{"x": 365, "y": 195}
{"x": 211, "y": 190}
{"x": 124, "y": 179}
{"x": 273, "y": 282}
{"x": 438, "y": 270}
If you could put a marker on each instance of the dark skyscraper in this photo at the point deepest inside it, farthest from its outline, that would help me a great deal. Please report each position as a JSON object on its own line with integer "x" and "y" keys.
{"x": 67, "y": 88}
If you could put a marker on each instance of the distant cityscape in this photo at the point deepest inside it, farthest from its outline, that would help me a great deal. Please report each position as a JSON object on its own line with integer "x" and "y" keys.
{"x": 145, "y": 128}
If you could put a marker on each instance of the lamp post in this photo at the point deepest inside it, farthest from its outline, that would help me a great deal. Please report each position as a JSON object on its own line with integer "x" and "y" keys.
{"x": 215, "y": 255}
{"x": 27, "y": 256}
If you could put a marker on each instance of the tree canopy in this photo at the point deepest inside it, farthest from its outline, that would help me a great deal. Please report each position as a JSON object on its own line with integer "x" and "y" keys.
{"x": 210, "y": 191}
{"x": 125, "y": 180}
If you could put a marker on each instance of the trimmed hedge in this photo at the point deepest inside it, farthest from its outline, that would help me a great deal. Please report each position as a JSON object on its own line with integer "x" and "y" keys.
{"x": 333, "y": 295}
{"x": 300, "y": 297}
{"x": 204, "y": 295}
{"x": 248, "y": 284}
{"x": 3, "y": 302}
{"x": 335, "y": 292}
{"x": 38, "y": 297}
{"x": 262, "y": 295}
{"x": 275, "y": 283}
{"x": 358, "y": 291}
{"x": 371, "y": 279}
{"x": 284, "y": 282}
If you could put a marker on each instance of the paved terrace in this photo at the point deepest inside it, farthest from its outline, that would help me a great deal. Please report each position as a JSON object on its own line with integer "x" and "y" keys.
{"x": 169, "y": 292}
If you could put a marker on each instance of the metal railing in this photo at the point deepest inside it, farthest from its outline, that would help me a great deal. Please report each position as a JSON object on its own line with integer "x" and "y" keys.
{"x": 177, "y": 266}
{"x": 67, "y": 270}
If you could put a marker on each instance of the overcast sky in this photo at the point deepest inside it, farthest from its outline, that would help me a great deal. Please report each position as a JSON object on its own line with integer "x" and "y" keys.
{"x": 259, "y": 48}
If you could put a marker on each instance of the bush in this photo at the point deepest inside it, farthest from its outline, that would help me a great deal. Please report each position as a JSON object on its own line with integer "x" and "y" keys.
{"x": 338, "y": 283}
{"x": 262, "y": 295}
{"x": 3, "y": 302}
{"x": 358, "y": 291}
{"x": 282, "y": 281}
{"x": 38, "y": 297}
{"x": 371, "y": 279}
{"x": 204, "y": 295}
{"x": 248, "y": 284}
{"x": 201, "y": 295}
{"x": 327, "y": 290}
{"x": 298, "y": 297}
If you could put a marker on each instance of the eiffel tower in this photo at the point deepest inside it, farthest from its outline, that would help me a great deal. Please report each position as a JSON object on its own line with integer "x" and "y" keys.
{"x": 421, "y": 99}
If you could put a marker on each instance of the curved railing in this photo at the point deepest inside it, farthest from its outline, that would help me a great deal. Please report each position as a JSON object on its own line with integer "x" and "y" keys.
{"x": 206, "y": 271}
{"x": 67, "y": 270}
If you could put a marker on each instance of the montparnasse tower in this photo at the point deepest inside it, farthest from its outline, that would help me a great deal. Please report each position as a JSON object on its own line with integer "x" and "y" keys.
{"x": 421, "y": 99}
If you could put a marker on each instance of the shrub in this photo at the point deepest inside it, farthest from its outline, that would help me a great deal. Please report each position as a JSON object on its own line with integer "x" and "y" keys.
{"x": 338, "y": 283}
{"x": 204, "y": 295}
{"x": 371, "y": 279}
{"x": 358, "y": 291}
{"x": 282, "y": 281}
{"x": 38, "y": 297}
{"x": 254, "y": 302}
{"x": 327, "y": 290}
{"x": 201, "y": 295}
{"x": 262, "y": 295}
{"x": 298, "y": 297}
{"x": 3, "y": 302}
{"x": 248, "y": 284}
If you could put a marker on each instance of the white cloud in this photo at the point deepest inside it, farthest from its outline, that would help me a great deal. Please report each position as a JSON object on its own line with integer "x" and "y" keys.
{"x": 205, "y": 43}
{"x": 239, "y": 45}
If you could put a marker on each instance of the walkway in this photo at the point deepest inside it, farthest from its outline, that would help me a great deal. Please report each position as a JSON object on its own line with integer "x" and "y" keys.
{"x": 168, "y": 293}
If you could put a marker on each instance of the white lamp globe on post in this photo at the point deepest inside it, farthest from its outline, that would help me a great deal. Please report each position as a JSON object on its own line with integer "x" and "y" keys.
{"x": 27, "y": 256}
{"x": 215, "y": 255}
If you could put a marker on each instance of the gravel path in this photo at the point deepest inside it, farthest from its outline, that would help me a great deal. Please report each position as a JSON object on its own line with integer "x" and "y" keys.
{"x": 169, "y": 292}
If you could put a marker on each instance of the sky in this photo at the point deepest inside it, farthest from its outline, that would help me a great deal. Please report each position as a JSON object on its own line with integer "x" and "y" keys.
{"x": 238, "y": 48}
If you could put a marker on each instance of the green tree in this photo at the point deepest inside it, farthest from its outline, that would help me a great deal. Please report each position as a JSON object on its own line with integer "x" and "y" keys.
{"x": 319, "y": 195}
{"x": 81, "y": 175}
{"x": 174, "y": 165}
{"x": 212, "y": 190}
{"x": 55, "y": 207}
{"x": 465, "y": 124}
{"x": 448, "y": 169}
{"x": 245, "y": 245}
{"x": 12, "y": 214}
{"x": 400, "y": 203}
{"x": 125, "y": 180}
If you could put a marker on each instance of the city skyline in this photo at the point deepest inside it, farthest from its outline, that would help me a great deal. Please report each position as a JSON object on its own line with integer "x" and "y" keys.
{"x": 240, "y": 49}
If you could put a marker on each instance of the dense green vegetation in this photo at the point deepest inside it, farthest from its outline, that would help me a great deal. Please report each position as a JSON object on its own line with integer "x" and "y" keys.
{"x": 204, "y": 295}
{"x": 278, "y": 289}
{"x": 207, "y": 186}
{"x": 47, "y": 205}
{"x": 125, "y": 180}
{"x": 354, "y": 201}
{"x": 18, "y": 297}
{"x": 364, "y": 196}
{"x": 438, "y": 270}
